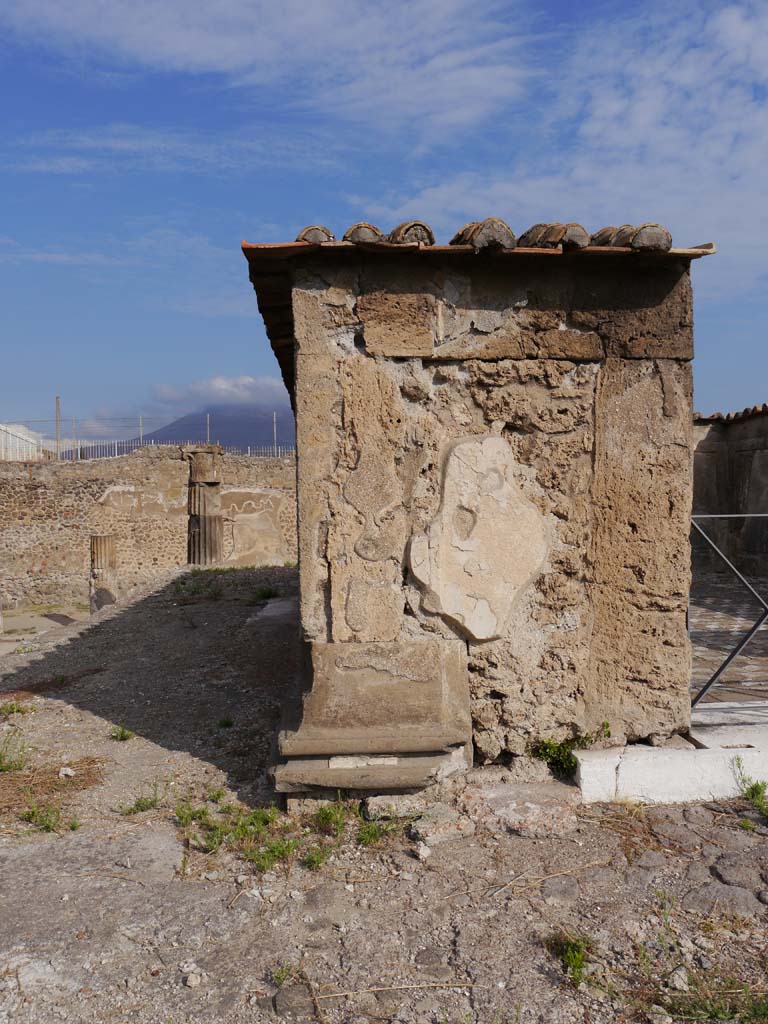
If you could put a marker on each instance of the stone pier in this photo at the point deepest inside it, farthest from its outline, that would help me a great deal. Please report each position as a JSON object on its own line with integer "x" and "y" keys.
{"x": 494, "y": 490}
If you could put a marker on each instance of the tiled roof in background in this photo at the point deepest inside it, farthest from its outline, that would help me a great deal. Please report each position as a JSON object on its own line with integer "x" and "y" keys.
{"x": 732, "y": 417}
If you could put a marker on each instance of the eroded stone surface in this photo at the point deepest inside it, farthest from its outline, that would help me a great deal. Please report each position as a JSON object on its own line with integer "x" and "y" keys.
{"x": 569, "y": 381}
{"x": 486, "y": 544}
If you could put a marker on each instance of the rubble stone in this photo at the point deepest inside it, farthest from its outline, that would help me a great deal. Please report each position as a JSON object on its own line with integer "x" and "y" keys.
{"x": 441, "y": 824}
{"x": 532, "y": 809}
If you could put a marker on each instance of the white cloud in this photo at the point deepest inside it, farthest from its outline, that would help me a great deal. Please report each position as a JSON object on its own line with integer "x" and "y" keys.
{"x": 658, "y": 117}
{"x": 126, "y": 146}
{"x": 12, "y": 251}
{"x": 243, "y": 390}
{"x": 433, "y": 64}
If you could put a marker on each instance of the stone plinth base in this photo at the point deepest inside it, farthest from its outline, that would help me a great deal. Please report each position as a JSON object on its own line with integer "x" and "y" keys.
{"x": 379, "y": 716}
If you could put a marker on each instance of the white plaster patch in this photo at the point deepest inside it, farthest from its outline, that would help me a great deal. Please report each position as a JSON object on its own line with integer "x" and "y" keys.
{"x": 486, "y": 544}
{"x": 361, "y": 761}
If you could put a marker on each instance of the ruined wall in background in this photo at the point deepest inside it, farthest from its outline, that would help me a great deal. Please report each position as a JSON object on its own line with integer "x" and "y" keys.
{"x": 48, "y": 512}
{"x": 258, "y": 503}
{"x": 730, "y": 475}
{"x": 501, "y": 459}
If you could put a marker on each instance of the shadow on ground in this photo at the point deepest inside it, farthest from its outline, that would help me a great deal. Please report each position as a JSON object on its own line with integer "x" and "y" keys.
{"x": 203, "y": 665}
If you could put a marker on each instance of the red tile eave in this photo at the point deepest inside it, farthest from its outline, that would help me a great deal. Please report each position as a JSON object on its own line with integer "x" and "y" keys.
{"x": 288, "y": 250}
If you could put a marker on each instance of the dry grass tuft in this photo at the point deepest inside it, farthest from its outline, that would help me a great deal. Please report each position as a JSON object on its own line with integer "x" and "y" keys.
{"x": 17, "y": 788}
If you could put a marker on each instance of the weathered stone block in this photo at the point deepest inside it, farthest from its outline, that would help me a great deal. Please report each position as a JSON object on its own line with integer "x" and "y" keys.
{"x": 357, "y": 686}
{"x": 397, "y": 323}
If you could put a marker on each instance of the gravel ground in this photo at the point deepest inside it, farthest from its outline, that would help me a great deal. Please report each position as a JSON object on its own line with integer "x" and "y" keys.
{"x": 202, "y": 907}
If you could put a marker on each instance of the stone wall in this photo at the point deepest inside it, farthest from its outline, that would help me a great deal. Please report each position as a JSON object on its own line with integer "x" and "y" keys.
{"x": 494, "y": 468}
{"x": 48, "y": 512}
{"x": 730, "y": 476}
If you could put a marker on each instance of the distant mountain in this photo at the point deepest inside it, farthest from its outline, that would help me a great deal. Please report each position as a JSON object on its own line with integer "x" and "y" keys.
{"x": 236, "y": 425}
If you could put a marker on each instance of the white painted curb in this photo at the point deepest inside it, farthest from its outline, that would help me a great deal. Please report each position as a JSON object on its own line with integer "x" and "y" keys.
{"x": 721, "y": 732}
{"x": 653, "y": 775}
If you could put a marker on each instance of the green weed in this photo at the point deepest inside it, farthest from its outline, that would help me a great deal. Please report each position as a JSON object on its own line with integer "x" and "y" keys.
{"x": 746, "y": 824}
{"x": 226, "y": 723}
{"x": 12, "y": 707}
{"x": 266, "y": 857}
{"x": 121, "y": 734}
{"x": 370, "y": 833}
{"x": 331, "y": 819}
{"x": 751, "y": 789}
{"x": 573, "y": 953}
{"x": 44, "y": 817}
{"x": 74, "y": 825}
{"x": 13, "y": 756}
{"x": 265, "y": 593}
{"x": 713, "y": 999}
{"x": 147, "y": 802}
{"x": 315, "y": 857}
{"x": 559, "y": 755}
{"x": 186, "y": 814}
{"x": 216, "y": 795}
{"x": 283, "y": 973}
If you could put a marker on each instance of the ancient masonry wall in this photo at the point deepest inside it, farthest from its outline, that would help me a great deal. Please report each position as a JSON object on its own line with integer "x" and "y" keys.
{"x": 500, "y": 459}
{"x": 730, "y": 476}
{"x": 48, "y": 512}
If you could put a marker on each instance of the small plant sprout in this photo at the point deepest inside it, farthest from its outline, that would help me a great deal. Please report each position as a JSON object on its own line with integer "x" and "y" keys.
{"x": 44, "y": 817}
{"x": 716, "y": 998}
{"x": 12, "y": 707}
{"x": 215, "y": 796}
{"x": 146, "y": 802}
{"x": 573, "y": 953}
{"x": 266, "y": 857}
{"x": 121, "y": 734}
{"x": 283, "y": 973}
{"x": 13, "y": 756}
{"x": 752, "y": 790}
{"x": 370, "y": 833}
{"x": 315, "y": 857}
{"x": 559, "y": 755}
{"x": 226, "y": 722}
{"x": 331, "y": 819}
{"x": 187, "y": 814}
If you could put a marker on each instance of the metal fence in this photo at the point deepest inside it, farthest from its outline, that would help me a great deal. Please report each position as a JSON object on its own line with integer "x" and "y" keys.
{"x": 73, "y": 439}
{"x": 18, "y": 445}
{"x": 85, "y": 450}
{"x": 18, "y": 448}
{"x": 742, "y": 639}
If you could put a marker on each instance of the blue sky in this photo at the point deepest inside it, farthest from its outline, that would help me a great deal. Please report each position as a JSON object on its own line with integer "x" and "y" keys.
{"x": 139, "y": 143}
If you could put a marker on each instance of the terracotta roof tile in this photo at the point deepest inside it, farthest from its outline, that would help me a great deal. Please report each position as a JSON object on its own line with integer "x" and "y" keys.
{"x": 363, "y": 232}
{"x": 315, "y": 233}
{"x": 412, "y": 231}
{"x": 732, "y": 417}
{"x": 492, "y": 234}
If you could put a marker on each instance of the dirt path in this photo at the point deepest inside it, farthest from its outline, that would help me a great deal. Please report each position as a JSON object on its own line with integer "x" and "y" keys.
{"x": 172, "y": 913}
